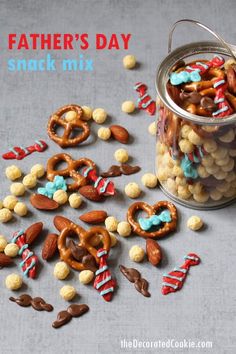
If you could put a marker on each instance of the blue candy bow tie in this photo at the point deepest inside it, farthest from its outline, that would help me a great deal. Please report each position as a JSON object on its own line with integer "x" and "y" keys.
{"x": 154, "y": 220}
{"x": 184, "y": 76}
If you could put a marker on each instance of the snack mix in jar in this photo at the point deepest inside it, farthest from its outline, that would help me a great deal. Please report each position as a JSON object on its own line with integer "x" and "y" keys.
{"x": 196, "y": 162}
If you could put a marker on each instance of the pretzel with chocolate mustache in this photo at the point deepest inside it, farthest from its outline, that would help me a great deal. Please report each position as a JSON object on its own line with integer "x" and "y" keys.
{"x": 152, "y": 210}
{"x": 57, "y": 119}
{"x": 70, "y": 171}
{"x": 67, "y": 229}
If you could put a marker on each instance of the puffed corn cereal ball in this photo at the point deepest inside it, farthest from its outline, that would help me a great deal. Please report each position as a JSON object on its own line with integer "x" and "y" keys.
{"x": 61, "y": 270}
{"x": 1, "y": 204}
{"x": 183, "y": 192}
{"x": 99, "y": 115}
{"x": 220, "y": 153}
{"x": 128, "y": 107}
{"x": 210, "y": 146}
{"x": 181, "y": 181}
{"x": 216, "y": 195}
{"x": 38, "y": 170}
{"x": 185, "y": 130}
{"x": 202, "y": 172}
{"x": 30, "y": 181}
{"x": 136, "y": 253}
{"x": 132, "y": 190}
{"x": 104, "y": 133}
{"x": 5, "y": 215}
{"x": 201, "y": 197}
{"x": 9, "y": 202}
{"x": 113, "y": 239}
{"x": 13, "y": 281}
{"x": 129, "y": 61}
{"x": 171, "y": 185}
{"x": 20, "y": 209}
{"x": 194, "y": 138}
{"x": 13, "y": 172}
{"x": 70, "y": 116}
{"x": 228, "y": 137}
{"x": 152, "y": 128}
{"x": 121, "y": 155}
{"x": 86, "y": 276}
{"x": 194, "y": 223}
{"x": 177, "y": 171}
{"x": 17, "y": 189}
{"x": 75, "y": 200}
{"x": 149, "y": 180}
{"x": 60, "y": 196}
{"x": 111, "y": 223}
{"x": 11, "y": 250}
{"x": 124, "y": 228}
{"x": 67, "y": 292}
{"x": 186, "y": 146}
{"x": 3, "y": 243}
{"x": 87, "y": 113}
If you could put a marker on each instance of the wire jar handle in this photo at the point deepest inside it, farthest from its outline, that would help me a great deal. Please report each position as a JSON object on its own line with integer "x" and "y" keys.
{"x": 205, "y": 28}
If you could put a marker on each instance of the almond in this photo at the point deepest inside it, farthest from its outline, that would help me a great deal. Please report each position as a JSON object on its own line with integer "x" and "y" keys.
{"x": 94, "y": 217}
{"x": 5, "y": 260}
{"x": 60, "y": 222}
{"x": 119, "y": 133}
{"x": 49, "y": 246}
{"x": 41, "y": 202}
{"x": 153, "y": 251}
{"x": 91, "y": 193}
{"x": 33, "y": 232}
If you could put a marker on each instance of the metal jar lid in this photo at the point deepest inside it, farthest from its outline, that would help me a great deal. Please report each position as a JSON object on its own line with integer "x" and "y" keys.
{"x": 185, "y": 51}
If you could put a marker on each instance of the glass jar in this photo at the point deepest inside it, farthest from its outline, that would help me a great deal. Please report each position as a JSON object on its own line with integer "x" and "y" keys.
{"x": 196, "y": 138}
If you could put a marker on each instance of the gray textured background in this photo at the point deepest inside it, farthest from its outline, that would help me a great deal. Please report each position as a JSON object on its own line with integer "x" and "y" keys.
{"x": 205, "y": 308}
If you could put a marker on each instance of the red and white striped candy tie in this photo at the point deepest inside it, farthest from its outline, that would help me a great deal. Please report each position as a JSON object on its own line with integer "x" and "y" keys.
{"x": 103, "y": 282}
{"x": 174, "y": 280}
{"x": 29, "y": 259}
{"x": 224, "y": 108}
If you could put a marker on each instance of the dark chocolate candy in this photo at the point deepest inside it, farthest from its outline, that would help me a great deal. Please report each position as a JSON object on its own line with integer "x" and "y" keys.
{"x": 40, "y": 304}
{"x": 192, "y": 97}
{"x": 125, "y": 169}
{"x": 76, "y": 310}
{"x": 208, "y": 103}
{"x": 133, "y": 275}
{"x": 114, "y": 171}
{"x": 23, "y": 300}
{"x": 90, "y": 262}
{"x": 129, "y": 170}
{"x": 141, "y": 285}
{"x": 78, "y": 252}
{"x": 130, "y": 273}
{"x": 37, "y": 303}
{"x": 63, "y": 317}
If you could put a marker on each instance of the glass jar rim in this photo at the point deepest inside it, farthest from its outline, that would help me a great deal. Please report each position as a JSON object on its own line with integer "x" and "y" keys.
{"x": 162, "y": 77}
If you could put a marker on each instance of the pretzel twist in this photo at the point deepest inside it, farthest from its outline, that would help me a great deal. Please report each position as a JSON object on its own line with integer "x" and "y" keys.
{"x": 152, "y": 210}
{"x": 57, "y": 119}
{"x": 70, "y": 171}
{"x": 83, "y": 240}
